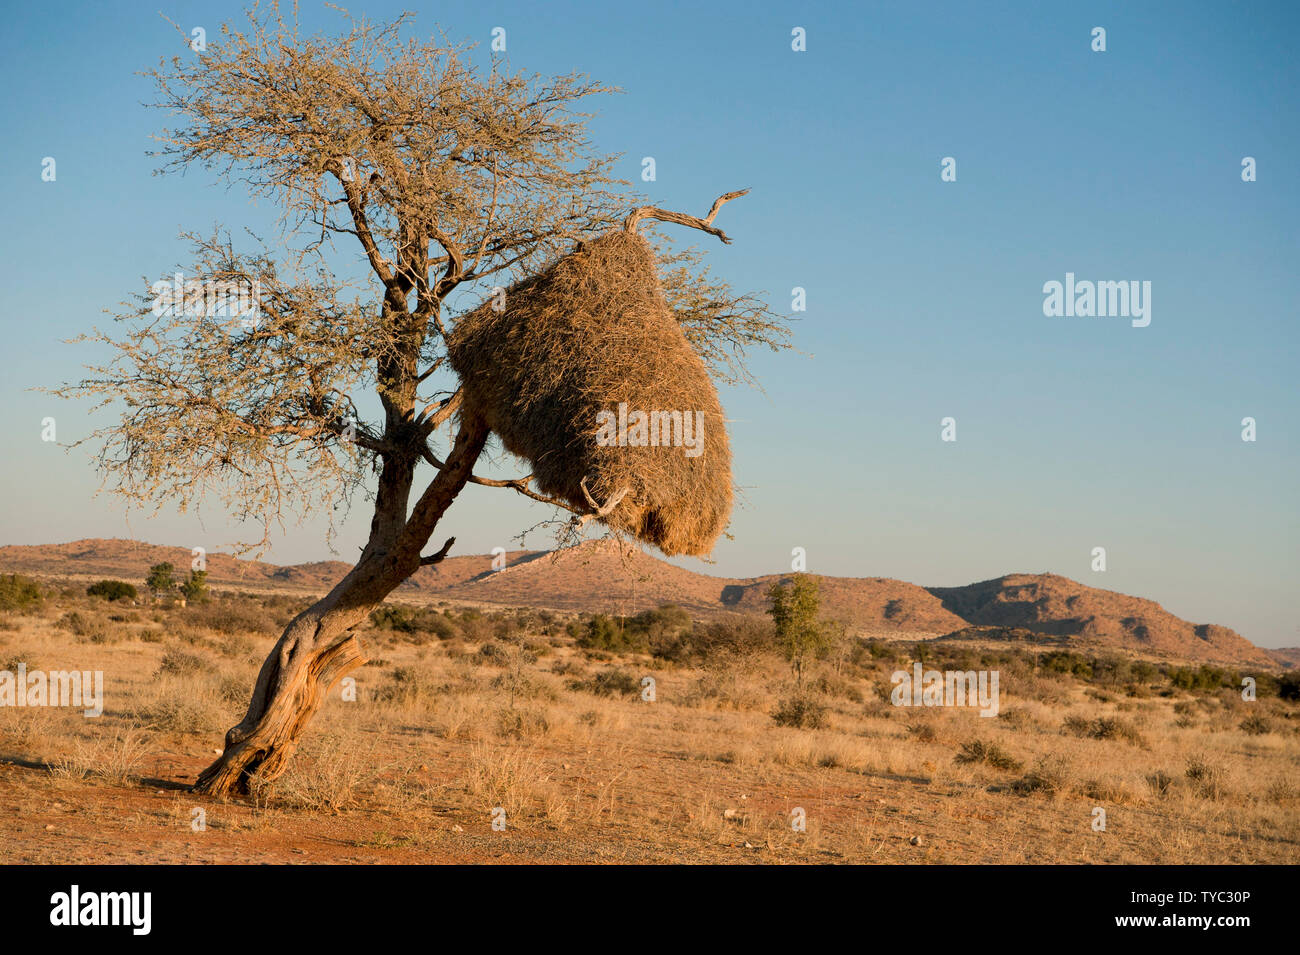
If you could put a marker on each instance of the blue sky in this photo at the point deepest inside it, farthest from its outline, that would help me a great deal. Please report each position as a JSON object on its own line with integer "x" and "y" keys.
{"x": 924, "y": 297}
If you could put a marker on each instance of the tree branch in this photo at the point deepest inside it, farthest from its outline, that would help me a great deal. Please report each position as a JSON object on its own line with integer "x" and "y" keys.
{"x": 435, "y": 558}
{"x": 681, "y": 218}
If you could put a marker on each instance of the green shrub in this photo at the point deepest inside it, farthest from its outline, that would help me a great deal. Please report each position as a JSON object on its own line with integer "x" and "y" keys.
{"x": 195, "y": 589}
{"x": 610, "y": 634}
{"x": 112, "y": 590}
{"x": 1289, "y": 685}
{"x": 19, "y": 593}
{"x": 160, "y": 579}
{"x": 1067, "y": 662}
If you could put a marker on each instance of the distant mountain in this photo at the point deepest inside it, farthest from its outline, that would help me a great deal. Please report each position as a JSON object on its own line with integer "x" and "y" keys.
{"x": 1046, "y": 603}
{"x": 609, "y": 577}
{"x": 1288, "y": 657}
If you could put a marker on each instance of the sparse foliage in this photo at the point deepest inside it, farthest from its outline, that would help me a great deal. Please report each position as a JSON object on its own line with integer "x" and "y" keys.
{"x": 799, "y": 633}
{"x": 308, "y": 375}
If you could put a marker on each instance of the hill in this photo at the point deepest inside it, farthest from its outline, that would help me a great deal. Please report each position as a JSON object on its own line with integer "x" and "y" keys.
{"x": 609, "y": 577}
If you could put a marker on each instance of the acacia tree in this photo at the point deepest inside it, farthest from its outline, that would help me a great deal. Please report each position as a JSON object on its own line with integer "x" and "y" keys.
{"x": 439, "y": 177}
{"x": 800, "y": 633}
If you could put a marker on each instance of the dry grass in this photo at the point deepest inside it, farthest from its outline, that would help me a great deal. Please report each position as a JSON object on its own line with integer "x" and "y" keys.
{"x": 441, "y": 734}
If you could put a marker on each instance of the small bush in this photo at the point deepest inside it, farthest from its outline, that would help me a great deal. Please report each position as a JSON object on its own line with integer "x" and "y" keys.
{"x": 112, "y": 590}
{"x": 415, "y": 622}
{"x": 405, "y": 686}
{"x": 84, "y": 627}
{"x": 739, "y": 636}
{"x": 19, "y": 593}
{"x": 609, "y": 683}
{"x": 978, "y": 751}
{"x": 1288, "y": 685}
{"x": 1255, "y": 725}
{"x": 1104, "y": 727}
{"x": 923, "y": 731}
{"x": 1206, "y": 778}
{"x": 1049, "y": 777}
{"x": 1160, "y": 783}
{"x": 179, "y": 663}
{"x": 801, "y": 711}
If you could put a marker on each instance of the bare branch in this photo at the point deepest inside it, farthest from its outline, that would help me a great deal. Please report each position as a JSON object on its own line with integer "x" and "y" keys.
{"x": 681, "y": 218}
{"x": 436, "y": 558}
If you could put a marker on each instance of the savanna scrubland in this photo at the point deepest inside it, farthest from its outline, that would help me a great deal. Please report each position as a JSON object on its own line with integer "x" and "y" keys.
{"x": 462, "y": 711}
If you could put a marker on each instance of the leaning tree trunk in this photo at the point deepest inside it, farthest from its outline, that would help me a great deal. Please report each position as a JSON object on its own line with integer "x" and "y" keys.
{"x": 318, "y": 649}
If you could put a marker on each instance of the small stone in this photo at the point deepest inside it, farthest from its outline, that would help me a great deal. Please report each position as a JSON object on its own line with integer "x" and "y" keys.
{"x": 457, "y": 829}
{"x": 917, "y": 841}
{"x": 730, "y": 813}
{"x": 49, "y": 828}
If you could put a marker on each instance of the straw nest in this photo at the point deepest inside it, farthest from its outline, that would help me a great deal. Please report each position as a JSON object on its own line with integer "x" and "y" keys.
{"x": 590, "y": 333}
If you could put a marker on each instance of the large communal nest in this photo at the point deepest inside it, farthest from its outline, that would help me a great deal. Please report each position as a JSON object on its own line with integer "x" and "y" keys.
{"x": 587, "y": 375}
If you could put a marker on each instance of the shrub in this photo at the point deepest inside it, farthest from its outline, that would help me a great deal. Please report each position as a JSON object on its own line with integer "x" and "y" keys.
{"x": 1206, "y": 778}
{"x": 112, "y": 590}
{"x": 19, "y": 593}
{"x": 800, "y": 635}
{"x": 1289, "y": 685}
{"x": 802, "y": 711}
{"x": 84, "y": 627}
{"x": 230, "y": 616}
{"x": 1104, "y": 727}
{"x": 978, "y": 751}
{"x": 160, "y": 579}
{"x": 417, "y": 623}
{"x": 736, "y": 636}
{"x": 663, "y": 632}
{"x": 1255, "y": 725}
{"x": 1205, "y": 679}
{"x": 1066, "y": 662}
{"x": 405, "y": 686}
{"x": 1049, "y": 776}
{"x": 179, "y": 663}
{"x": 602, "y": 633}
{"x": 195, "y": 589}
{"x": 609, "y": 683}
{"x": 923, "y": 731}
{"x": 1160, "y": 783}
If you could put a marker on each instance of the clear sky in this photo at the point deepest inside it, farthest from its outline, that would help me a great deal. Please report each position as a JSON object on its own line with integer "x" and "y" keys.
{"x": 925, "y": 298}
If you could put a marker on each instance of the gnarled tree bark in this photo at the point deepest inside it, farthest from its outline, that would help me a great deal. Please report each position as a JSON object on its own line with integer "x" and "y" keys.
{"x": 318, "y": 649}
